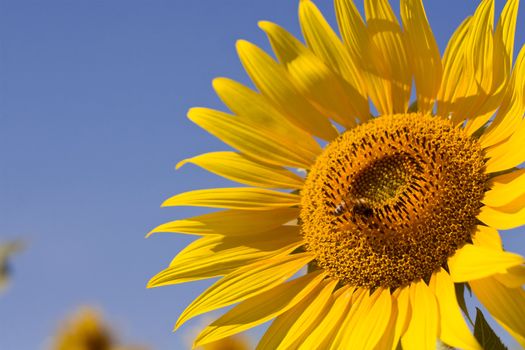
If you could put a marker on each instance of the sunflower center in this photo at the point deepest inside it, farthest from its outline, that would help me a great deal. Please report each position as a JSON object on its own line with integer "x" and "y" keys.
{"x": 382, "y": 179}
{"x": 389, "y": 201}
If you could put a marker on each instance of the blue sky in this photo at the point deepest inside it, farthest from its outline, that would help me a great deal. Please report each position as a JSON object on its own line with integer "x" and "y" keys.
{"x": 93, "y": 101}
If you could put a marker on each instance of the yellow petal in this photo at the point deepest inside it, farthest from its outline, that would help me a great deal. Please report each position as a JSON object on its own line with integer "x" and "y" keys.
{"x": 471, "y": 88}
{"x": 274, "y": 82}
{"x": 373, "y": 317}
{"x": 393, "y": 74}
{"x": 512, "y": 107}
{"x": 491, "y": 68}
{"x": 261, "y": 308}
{"x": 454, "y": 84}
{"x": 237, "y": 167}
{"x": 423, "y": 327}
{"x": 215, "y": 255}
{"x": 506, "y": 305}
{"x": 254, "y": 108}
{"x": 399, "y": 319}
{"x": 514, "y": 206}
{"x": 322, "y": 335}
{"x": 353, "y": 29}
{"x": 453, "y": 329}
{"x": 323, "y": 87}
{"x": 423, "y": 53}
{"x": 504, "y": 38}
{"x": 245, "y": 283}
{"x": 487, "y": 237}
{"x": 234, "y": 198}
{"x": 473, "y": 262}
{"x": 250, "y": 139}
{"x": 502, "y": 220}
{"x": 231, "y": 222}
{"x": 350, "y": 320}
{"x": 322, "y": 40}
{"x": 325, "y": 91}
{"x": 387, "y": 339}
{"x": 513, "y": 278}
{"x": 291, "y": 328}
{"x": 267, "y": 241}
{"x": 404, "y": 314}
{"x": 509, "y": 153}
{"x": 481, "y": 66}
{"x": 287, "y": 48}
{"x": 485, "y": 105}
{"x": 505, "y": 189}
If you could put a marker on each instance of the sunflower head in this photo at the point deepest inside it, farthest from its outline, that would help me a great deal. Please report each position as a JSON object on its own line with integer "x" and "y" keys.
{"x": 388, "y": 202}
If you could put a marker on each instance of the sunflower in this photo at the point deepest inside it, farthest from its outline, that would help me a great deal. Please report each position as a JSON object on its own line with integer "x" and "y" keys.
{"x": 85, "y": 330}
{"x": 366, "y": 214}
{"x": 7, "y": 249}
{"x": 229, "y": 343}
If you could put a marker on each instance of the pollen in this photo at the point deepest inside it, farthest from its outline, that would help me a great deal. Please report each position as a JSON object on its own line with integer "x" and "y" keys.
{"x": 389, "y": 201}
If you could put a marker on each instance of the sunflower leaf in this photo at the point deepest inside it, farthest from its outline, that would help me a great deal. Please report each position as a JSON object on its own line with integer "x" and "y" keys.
{"x": 460, "y": 296}
{"x": 485, "y": 335}
{"x": 469, "y": 289}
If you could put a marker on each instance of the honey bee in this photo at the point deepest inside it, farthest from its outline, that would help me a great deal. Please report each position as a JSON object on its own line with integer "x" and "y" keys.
{"x": 356, "y": 206}
{"x": 340, "y": 208}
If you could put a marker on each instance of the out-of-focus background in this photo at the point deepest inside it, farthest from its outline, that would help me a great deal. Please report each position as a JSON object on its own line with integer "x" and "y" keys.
{"x": 93, "y": 98}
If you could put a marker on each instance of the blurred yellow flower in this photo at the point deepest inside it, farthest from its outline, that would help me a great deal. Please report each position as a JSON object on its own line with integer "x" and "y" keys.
{"x": 395, "y": 213}
{"x": 6, "y": 251}
{"x": 229, "y": 343}
{"x": 85, "y": 330}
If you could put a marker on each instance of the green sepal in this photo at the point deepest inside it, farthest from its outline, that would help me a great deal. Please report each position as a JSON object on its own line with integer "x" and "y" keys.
{"x": 486, "y": 337}
{"x": 460, "y": 296}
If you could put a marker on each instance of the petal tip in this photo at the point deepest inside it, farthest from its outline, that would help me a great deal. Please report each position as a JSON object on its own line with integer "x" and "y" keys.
{"x": 192, "y": 113}
{"x": 182, "y": 319}
{"x": 181, "y": 163}
{"x": 151, "y": 283}
{"x": 218, "y": 82}
{"x": 166, "y": 203}
{"x": 242, "y": 45}
{"x": 264, "y": 24}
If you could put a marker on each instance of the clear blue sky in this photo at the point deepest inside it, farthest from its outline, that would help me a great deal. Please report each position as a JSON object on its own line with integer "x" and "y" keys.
{"x": 93, "y": 101}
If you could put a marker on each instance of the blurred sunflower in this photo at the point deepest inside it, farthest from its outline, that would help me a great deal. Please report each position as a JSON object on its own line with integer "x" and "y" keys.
{"x": 7, "y": 249}
{"x": 86, "y": 331}
{"x": 229, "y": 343}
{"x": 396, "y": 214}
